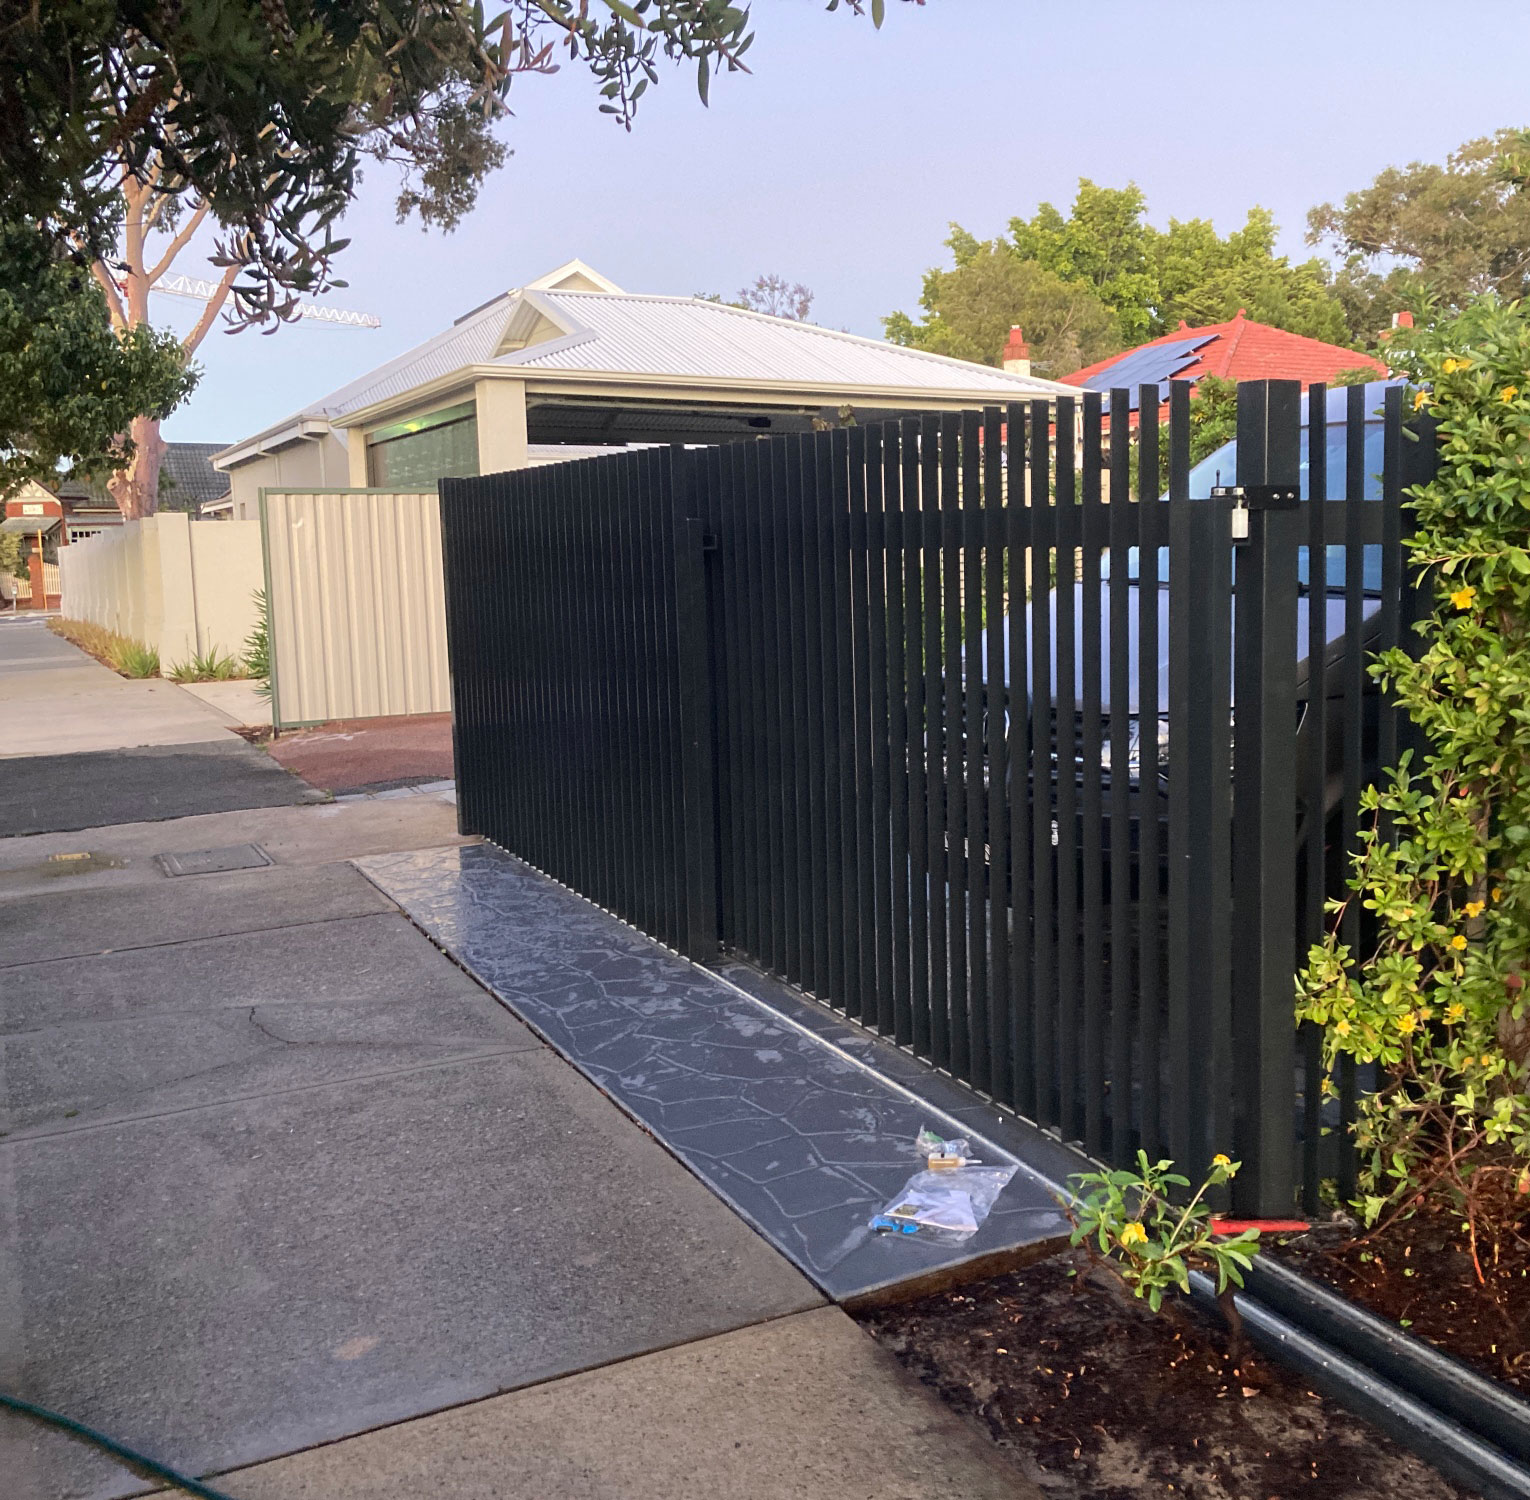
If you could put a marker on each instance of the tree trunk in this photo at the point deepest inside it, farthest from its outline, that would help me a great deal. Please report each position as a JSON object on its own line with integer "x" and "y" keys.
{"x": 136, "y": 488}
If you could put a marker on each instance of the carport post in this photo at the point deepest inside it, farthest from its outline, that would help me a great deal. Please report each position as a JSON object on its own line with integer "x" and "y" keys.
{"x": 1264, "y": 799}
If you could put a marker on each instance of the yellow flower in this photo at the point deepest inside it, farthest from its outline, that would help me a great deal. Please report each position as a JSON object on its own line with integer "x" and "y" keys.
{"x": 1462, "y": 598}
{"x": 1343, "y": 1028}
{"x": 1508, "y": 393}
{"x": 1467, "y": 1062}
{"x": 1474, "y": 908}
{"x": 1221, "y": 1160}
{"x": 1452, "y": 365}
{"x": 1455, "y": 1012}
{"x": 1133, "y": 1234}
{"x": 1419, "y": 400}
{"x": 1407, "y": 1022}
{"x": 1496, "y": 893}
{"x": 1458, "y": 942}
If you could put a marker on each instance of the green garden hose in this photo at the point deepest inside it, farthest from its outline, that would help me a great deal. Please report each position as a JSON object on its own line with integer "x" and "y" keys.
{"x": 146, "y": 1466}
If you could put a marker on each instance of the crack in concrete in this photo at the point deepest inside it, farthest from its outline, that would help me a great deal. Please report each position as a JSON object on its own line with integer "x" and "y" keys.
{"x": 286, "y": 1041}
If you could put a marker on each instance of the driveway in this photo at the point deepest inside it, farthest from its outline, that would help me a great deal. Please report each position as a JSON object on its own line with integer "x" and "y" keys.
{"x": 81, "y": 747}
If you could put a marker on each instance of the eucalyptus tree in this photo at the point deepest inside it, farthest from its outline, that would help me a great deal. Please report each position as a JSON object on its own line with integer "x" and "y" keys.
{"x": 126, "y": 128}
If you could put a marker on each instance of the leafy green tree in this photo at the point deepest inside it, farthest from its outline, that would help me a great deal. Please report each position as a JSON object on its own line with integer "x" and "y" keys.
{"x": 12, "y": 554}
{"x": 1145, "y": 280}
{"x": 71, "y": 388}
{"x": 1202, "y": 278}
{"x": 1454, "y": 231}
{"x": 1103, "y": 244}
{"x": 970, "y": 309}
{"x": 125, "y": 128}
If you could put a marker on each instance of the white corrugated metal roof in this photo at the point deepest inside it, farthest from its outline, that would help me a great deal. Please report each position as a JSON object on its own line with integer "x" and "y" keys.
{"x": 684, "y": 336}
{"x": 668, "y": 338}
{"x": 472, "y": 340}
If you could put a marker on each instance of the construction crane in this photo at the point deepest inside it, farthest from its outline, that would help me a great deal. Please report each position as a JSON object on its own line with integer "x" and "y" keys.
{"x": 177, "y": 285}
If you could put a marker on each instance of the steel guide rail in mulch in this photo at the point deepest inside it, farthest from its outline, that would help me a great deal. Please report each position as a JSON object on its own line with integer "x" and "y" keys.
{"x": 1470, "y": 1428}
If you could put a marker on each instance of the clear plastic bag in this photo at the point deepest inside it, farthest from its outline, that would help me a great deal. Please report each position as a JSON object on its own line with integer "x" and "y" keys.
{"x": 946, "y": 1203}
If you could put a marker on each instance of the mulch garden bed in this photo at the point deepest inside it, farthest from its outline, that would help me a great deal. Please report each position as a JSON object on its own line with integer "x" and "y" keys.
{"x": 1089, "y": 1393}
{"x": 1418, "y": 1273}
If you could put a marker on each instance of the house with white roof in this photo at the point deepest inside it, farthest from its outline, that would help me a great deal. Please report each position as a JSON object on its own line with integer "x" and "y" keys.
{"x": 570, "y": 363}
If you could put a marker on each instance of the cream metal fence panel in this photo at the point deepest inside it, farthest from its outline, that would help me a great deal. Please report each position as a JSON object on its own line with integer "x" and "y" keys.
{"x": 357, "y": 604}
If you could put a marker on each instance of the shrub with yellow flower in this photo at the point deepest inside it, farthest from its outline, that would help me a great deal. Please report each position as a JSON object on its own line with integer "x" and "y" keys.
{"x": 1446, "y": 838}
{"x": 1140, "y": 1225}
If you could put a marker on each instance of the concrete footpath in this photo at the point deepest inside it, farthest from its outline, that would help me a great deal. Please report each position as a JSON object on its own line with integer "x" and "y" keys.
{"x": 287, "y": 1199}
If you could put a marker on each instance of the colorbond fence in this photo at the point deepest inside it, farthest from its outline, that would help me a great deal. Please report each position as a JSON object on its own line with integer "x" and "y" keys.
{"x": 969, "y": 771}
{"x": 357, "y": 617}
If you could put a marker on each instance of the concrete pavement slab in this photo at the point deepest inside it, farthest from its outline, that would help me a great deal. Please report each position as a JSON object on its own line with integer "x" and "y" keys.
{"x": 140, "y": 1033}
{"x": 380, "y": 960}
{"x": 290, "y": 835}
{"x": 224, "y": 1285}
{"x": 803, "y": 1408}
{"x": 57, "y": 793}
{"x": 56, "y": 700}
{"x": 240, "y": 701}
{"x": 72, "y": 923}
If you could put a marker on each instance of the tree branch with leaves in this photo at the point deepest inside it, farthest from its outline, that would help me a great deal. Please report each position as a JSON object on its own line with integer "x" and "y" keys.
{"x": 127, "y": 128}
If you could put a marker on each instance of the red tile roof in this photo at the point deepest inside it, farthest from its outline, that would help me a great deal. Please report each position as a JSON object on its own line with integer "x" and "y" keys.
{"x": 1244, "y": 350}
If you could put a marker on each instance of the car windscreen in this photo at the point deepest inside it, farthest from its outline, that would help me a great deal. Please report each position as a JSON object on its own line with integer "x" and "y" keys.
{"x": 1220, "y": 468}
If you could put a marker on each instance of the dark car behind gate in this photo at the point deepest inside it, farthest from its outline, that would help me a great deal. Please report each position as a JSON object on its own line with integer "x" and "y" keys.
{"x": 741, "y": 697}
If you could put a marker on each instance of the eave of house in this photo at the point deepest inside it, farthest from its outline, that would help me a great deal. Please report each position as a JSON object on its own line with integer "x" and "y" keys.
{"x": 287, "y": 435}
{"x": 714, "y": 391}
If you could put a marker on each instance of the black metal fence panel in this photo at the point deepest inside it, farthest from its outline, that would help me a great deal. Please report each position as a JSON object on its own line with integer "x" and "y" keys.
{"x": 998, "y": 732}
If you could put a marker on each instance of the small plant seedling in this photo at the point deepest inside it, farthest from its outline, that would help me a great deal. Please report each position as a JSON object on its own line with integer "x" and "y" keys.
{"x": 1127, "y": 1220}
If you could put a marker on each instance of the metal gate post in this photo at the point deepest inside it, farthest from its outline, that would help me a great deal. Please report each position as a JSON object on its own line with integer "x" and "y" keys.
{"x": 698, "y": 746}
{"x": 1264, "y": 798}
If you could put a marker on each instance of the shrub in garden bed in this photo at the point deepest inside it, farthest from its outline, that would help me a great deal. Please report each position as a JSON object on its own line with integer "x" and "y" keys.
{"x": 1436, "y": 1000}
{"x": 126, "y": 657}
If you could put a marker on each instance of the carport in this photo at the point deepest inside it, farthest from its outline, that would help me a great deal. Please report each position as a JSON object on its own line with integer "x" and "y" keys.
{"x": 570, "y": 363}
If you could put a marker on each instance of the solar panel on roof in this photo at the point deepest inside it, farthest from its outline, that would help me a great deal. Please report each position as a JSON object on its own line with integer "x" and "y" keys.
{"x": 1153, "y": 364}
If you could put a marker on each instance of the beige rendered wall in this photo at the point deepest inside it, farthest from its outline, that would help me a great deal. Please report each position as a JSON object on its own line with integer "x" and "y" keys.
{"x": 314, "y": 464}
{"x": 179, "y": 585}
{"x": 358, "y": 605}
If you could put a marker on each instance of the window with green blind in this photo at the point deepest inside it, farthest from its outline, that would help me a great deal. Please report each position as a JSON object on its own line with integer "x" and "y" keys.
{"x": 413, "y": 455}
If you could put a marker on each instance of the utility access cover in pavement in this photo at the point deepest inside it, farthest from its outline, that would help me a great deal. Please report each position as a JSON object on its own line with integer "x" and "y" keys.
{"x": 215, "y": 861}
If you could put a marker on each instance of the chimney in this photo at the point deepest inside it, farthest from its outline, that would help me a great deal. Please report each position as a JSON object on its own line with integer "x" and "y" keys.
{"x": 1017, "y": 354}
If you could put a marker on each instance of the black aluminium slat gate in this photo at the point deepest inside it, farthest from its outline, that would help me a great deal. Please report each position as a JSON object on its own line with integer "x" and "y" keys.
{"x": 936, "y": 720}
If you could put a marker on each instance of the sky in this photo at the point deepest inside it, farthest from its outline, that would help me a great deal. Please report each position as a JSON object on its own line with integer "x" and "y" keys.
{"x": 841, "y": 158}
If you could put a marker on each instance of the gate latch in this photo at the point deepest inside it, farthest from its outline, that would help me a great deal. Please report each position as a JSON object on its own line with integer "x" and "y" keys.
{"x": 1247, "y": 497}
